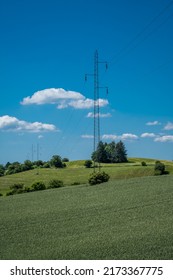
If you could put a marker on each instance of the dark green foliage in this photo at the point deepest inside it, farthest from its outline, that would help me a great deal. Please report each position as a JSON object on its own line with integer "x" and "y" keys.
{"x": 56, "y": 161}
{"x": 143, "y": 163}
{"x": 2, "y": 170}
{"x": 98, "y": 178}
{"x": 16, "y": 188}
{"x": 88, "y": 163}
{"x": 121, "y": 153}
{"x": 159, "y": 168}
{"x": 110, "y": 153}
{"x": 38, "y": 186}
{"x": 1, "y": 194}
{"x": 65, "y": 159}
{"x": 55, "y": 184}
{"x": 39, "y": 163}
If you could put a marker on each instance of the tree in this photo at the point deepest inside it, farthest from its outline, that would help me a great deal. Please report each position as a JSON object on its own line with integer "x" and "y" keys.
{"x": 2, "y": 170}
{"x": 121, "y": 153}
{"x": 159, "y": 168}
{"x": 56, "y": 161}
{"x": 111, "y": 152}
{"x": 100, "y": 154}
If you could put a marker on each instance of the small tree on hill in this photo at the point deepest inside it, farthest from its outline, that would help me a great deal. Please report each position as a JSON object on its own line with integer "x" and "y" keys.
{"x": 56, "y": 161}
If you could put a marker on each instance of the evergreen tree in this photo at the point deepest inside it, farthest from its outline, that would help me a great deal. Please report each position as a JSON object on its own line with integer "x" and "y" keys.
{"x": 111, "y": 152}
{"x": 121, "y": 153}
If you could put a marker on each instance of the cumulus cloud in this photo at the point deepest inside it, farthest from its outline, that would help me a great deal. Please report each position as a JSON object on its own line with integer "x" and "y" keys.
{"x": 87, "y": 136}
{"x": 91, "y": 115}
{"x": 164, "y": 138}
{"x": 8, "y": 123}
{"x": 153, "y": 123}
{"x": 148, "y": 135}
{"x": 62, "y": 98}
{"x": 169, "y": 126}
{"x": 87, "y": 103}
{"x": 51, "y": 96}
{"x": 124, "y": 136}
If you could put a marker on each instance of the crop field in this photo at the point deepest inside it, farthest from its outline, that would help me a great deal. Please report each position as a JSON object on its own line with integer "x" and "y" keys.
{"x": 121, "y": 219}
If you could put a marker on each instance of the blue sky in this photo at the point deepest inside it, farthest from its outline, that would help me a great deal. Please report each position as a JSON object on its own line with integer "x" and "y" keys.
{"x": 46, "y": 49}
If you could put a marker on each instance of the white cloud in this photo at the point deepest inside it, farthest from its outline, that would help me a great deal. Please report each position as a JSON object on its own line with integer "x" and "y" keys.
{"x": 124, "y": 136}
{"x": 87, "y": 136}
{"x": 129, "y": 136}
{"x": 169, "y": 126}
{"x": 153, "y": 123}
{"x": 165, "y": 138}
{"x": 51, "y": 96}
{"x": 62, "y": 98}
{"x": 91, "y": 115}
{"x": 110, "y": 136}
{"x": 87, "y": 103}
{"x": 40, "y": 136}
{"x": 148, "y": 135}
{"x": 8, "y": 123}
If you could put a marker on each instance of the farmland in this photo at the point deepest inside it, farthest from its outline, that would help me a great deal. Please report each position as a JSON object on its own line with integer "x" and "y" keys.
{"x": 125, "y": 218}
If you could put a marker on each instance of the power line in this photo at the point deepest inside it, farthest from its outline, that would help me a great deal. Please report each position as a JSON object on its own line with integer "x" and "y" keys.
{"x": 138, "y": 35}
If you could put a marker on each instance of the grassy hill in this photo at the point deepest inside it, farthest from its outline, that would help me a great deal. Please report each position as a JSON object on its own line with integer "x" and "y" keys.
{"x": 120, "y": 219}
{"x": 76, "y": 173}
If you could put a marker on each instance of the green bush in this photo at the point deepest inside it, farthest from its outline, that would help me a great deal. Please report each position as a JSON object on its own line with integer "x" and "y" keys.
{"x": 55, "y": 184}
{"x": 38, "y": 186}
{"x": 17, "y": 188}
{"x": 1, "y": 194}
{"x": 143, "y": 163}
{"x": 98, "y": 178}
{"x": 88, "y": 163}
{"x": 159, "y": 168}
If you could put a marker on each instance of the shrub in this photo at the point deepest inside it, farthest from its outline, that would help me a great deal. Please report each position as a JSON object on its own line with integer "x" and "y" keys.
{"x": 55, "y": 184}
{"x": 143, "y": 163}
{"x": 1, "y": 194}
{"x": 88, "y": 163}
{"x": 17, "y": 188}
{"x": 159, "y": 168}
{"x": 9, "y": 193}
{"x": 38, "y": 186}
{"x": 98, "y": 178}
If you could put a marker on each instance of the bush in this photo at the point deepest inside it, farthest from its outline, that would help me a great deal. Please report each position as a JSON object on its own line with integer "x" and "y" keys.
{"x": 55, "y": 184}
{"x": 159, "y": 168}
{"x": 98, "y": 178}
{"x": 143, "y": 163}
{"x": 1, "y": 194}
{"x": 38, "y": 186}
{"x": 17, "y": 188}
{"x": 88, "y": 163}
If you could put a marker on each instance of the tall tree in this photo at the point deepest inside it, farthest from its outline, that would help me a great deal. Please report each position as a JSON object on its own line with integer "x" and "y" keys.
{"x": 121, "y": 152}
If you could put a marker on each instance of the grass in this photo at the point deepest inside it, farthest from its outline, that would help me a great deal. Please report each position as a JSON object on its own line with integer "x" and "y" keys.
{"x": 76, "y": 173}
{"x": 121, "y": 219}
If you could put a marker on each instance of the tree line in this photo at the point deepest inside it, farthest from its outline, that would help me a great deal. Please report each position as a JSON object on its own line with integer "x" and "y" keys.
{"x": 16, "y": 167}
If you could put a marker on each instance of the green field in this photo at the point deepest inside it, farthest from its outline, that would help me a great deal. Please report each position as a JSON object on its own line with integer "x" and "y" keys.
{"x": 76, "y": 173}
{"x": 128, "y": 218}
